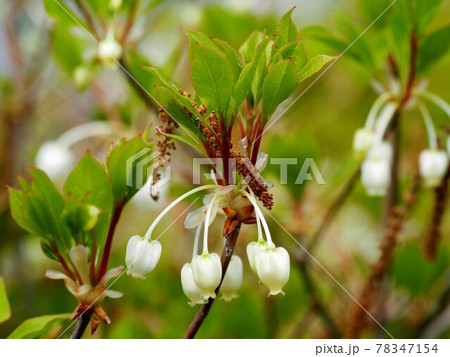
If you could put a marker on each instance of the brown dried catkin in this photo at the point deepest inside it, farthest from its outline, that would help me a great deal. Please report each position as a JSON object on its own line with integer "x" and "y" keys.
{"x": 434, "y": 231}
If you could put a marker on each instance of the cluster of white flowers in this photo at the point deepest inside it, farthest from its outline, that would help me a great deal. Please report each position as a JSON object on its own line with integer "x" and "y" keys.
{"x": 377, "y": 155}
{"x": 201, "y": 277}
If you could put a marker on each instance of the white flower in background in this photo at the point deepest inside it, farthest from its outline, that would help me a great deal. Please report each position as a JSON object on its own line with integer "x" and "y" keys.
{"x": 273, "y": 267}
{"x": 381, "y": 151}
{"x": 109, "y": 50}
{"x": 207, "y": 271}
{"x": 376, "y": 169}
{"x": 433, "y": 165}
{"x": 82, "y": 77}
{"x": 363, "y": 140}
{"x": 190, "y": 288}
{"x": 233, "y": 279}
{"x": 448, "y": 145}
{"x": 115, "y": 4}
{"x": 376, "y": 176}
{"x": 55, "y": 159}
{"x": 142, "y": 256}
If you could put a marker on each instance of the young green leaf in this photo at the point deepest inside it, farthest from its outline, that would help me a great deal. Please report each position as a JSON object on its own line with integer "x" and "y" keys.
{"x": 248, "y": 48}
{"x": 123, "y": 160}
{"x": 67, "y": 48}
{"x": 37, "y": 326}
{"x": 294, "y": 51}
{"x": 314, "y": 65}
{"x": 434, "y": 48}
{"x": 5, "y": 311}
{"x": 278, "y": 85}
{"x": 286, "y": 30}
{"x": 89, "y": 182}
{"x": 212, "y": 77}
{"x": 247, "y": 75}
{"x": 63, "y": 13}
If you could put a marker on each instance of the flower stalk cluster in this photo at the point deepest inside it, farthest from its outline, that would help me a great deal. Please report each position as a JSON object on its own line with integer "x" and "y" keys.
{"x": 201, "y": 277}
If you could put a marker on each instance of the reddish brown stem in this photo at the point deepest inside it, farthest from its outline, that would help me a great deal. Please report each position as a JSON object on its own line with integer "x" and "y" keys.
{"x": 257, "y": 144}
{"x": 112, "y": 227}
{"x": 63, "y": 262}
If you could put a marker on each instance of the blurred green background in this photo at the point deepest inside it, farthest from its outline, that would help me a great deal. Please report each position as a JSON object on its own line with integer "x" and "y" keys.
{"x": 321, "y": 124}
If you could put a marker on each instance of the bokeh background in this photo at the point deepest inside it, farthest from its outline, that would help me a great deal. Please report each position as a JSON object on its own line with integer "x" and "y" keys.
{"x": 39, "y": 102}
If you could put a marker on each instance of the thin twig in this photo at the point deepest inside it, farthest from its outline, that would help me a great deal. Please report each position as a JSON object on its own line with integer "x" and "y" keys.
{"x": 442, "y": 305}
{"x": 82, "y": 324}
{"x": 441, "y": 194}
{"x": 230, "y": 243}
{"x": 316, "y": 303}
{"x": 331, "y": 213}
{"x": 84, "y": 9}
{"x": 138, "y": 89}
{"x": 112, "y": 228}
{"x": 130, "y": 21}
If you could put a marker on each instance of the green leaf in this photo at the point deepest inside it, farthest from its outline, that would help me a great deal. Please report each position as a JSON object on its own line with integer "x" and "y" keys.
{"x": 16, "y": 203}
{"x": 127, "y": 179}
{"x": 371, "y": 10}
{"x": 79, "y": 217}
{"x": 44, "y": 186}
{"x": 5, "y": 310}
{"x": 314, "y": 65}
{"x": 67, "y": 48}
{"x": 296, "y": 52}
{"x": 347, "y": 25}
{"x": 412, "y": 271}
{"x": 278, "y": 85}
{"x": 188, "y": 141}
{"x": 434, "y": 48}
{"x": 168, "y": 95}
{"x": 37, "y": 326}
{"x": 286, "y": 30}
{"x": 63, "y": 13}
{"x": 325, "y": 36}
{"x": 89, "y": 182}
{"x": 230, "y": 54}
{"x": 399, "y": 43}
{"x": 427, "y": 10}
{"x": 39, "y": 217}
{"x": 248, "y": 48}
{"x": 212, "y": 77}
{"x": 247, "y": 75}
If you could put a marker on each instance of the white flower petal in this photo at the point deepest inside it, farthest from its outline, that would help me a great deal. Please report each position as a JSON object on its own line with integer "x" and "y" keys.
{"x": 233, "y": 279}
{"x": 207, "y": 271}
{"x": 190, "y": 288}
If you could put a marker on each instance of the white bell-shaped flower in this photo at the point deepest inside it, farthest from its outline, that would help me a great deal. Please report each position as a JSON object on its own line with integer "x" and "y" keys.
{"x": 109, "y": 50}
{"x": 207, "y": 271}
{"x": 233, "y": 279}
{"x": 376, "y": 176}
{"x": 55, "y": 159}
{"x": 253, "y": 249}
{"x": 272, "y": 266}
{"x": 363, "y": 140}
{"x": 142, "y": 256}
{"x": 433, "y": 165}
{"x": 381, "y": 151}
{"x": 190, "y": 288}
